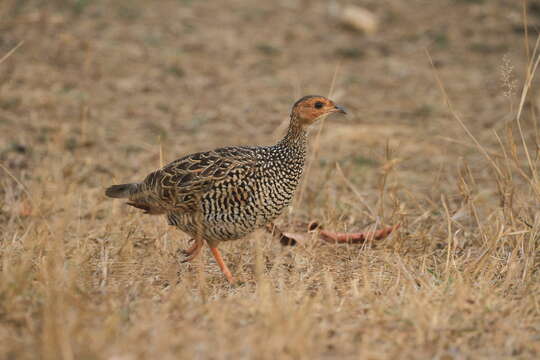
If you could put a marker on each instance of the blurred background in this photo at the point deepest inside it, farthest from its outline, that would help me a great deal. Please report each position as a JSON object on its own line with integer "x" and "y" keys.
{"x": 100, "y": 92}
{"x": 99, "y": 77}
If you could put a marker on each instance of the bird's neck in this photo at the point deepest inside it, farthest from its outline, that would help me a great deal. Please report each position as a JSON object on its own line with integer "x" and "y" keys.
{"x": 296, "y": 136}
{"x": 290, "y": 154}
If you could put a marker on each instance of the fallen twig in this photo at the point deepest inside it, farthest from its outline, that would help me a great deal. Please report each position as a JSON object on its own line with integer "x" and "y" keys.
{"x": 291, "y": 239}
{"x": 351, "y": 238}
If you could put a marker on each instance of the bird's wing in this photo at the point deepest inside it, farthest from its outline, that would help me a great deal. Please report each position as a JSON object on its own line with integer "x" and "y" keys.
{"x": 178, "y": 184}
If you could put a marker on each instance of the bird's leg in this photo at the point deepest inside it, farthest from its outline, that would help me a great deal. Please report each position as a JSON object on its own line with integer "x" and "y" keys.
{"x": 193, "y": 251}
{"x": 222, "y": 265}
{"x": 278, "y": 234}
{"x": 192, "y": 248}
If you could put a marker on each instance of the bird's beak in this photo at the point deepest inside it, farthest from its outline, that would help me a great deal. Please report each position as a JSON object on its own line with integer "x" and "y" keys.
{"x": 338, "y": 109}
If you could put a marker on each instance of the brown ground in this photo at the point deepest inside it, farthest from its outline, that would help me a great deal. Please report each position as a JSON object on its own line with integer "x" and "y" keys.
{"x": 98, "y": 85}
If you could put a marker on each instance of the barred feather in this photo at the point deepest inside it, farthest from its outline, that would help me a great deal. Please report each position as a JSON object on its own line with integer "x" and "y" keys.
{"x": 227, "y": 193}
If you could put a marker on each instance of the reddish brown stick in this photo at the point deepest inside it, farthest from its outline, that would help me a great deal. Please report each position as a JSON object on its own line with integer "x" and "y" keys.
{"x": 355, "y": 238}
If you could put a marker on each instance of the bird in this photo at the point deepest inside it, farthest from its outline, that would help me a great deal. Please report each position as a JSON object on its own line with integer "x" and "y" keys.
{"x": 227, "y": 193}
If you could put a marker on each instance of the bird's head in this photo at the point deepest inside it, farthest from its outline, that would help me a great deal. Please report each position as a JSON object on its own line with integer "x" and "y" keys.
{"x": 312, "y": 107}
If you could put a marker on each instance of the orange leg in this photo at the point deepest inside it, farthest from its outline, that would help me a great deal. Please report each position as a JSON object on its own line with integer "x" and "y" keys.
{"x": 222, "y": 265}
{"x": 193, "y": 251}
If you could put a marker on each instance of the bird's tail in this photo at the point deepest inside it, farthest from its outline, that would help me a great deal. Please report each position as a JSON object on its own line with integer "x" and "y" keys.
{"x": 122, "y": 190}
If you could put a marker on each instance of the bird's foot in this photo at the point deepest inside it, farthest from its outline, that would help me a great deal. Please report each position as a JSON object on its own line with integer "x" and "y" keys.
{"x": 192, "y": 252}
{"x": 222, "y": 265}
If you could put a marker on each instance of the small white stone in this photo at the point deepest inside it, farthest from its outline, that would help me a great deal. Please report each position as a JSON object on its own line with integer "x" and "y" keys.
{"x": 359, "y": 19}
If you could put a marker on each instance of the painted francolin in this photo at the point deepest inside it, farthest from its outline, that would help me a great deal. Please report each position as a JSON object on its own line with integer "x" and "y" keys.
{"x": 227, "y": 193}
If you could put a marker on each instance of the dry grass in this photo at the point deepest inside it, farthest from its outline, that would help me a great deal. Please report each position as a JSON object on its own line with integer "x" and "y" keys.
{"x": 98, "y": 88}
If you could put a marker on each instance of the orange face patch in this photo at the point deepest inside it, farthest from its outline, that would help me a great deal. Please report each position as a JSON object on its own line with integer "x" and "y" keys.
{"x": 310, "y": 108}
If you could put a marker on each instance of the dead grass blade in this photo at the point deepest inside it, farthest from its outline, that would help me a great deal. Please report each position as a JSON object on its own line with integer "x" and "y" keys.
{"x": 10, "y": 52}
{"x": 458, "y": 118}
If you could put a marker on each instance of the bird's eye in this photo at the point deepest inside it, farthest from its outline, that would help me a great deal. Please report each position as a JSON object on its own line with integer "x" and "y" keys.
{"x": 318, "y": 105}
